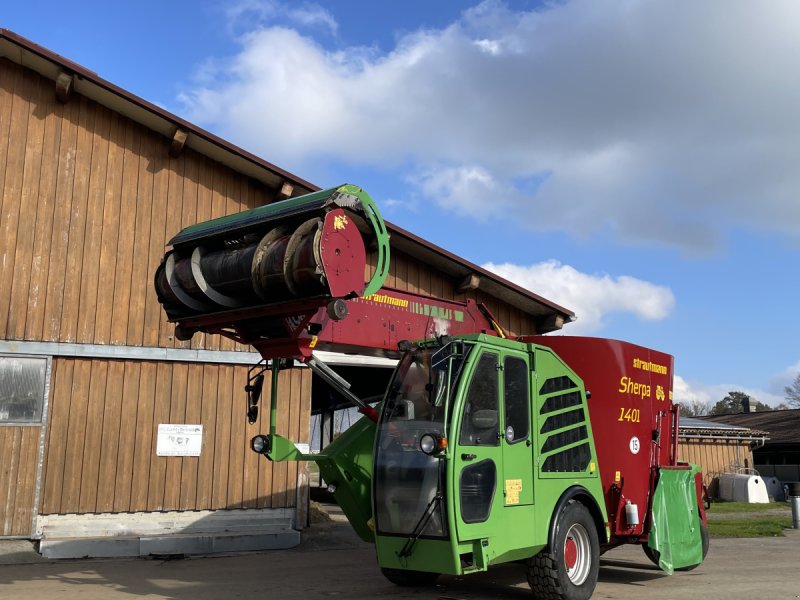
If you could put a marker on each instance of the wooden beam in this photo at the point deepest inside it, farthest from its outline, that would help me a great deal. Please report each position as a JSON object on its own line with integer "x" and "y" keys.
{"x": 469, "y": 283}
{"x": 549, "y": 323}
{"x": 178, "y": 141}
{"x": 64, "y": 85}
{"x": 286, "y": 191}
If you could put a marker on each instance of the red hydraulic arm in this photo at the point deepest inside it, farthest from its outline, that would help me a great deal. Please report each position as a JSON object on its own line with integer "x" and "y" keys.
{"x": 373, "y": 324}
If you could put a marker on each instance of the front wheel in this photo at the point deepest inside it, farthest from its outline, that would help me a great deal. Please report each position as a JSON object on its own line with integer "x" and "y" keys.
{"x": 568, "y": 570}
{"x": 408, "y": 578}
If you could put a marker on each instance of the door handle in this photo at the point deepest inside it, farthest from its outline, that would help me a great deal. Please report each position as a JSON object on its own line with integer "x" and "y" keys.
{"x": 468, "y": 457}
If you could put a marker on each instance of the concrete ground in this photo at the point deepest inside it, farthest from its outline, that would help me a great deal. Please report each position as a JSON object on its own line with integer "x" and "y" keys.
{"x": 331, "y": 562}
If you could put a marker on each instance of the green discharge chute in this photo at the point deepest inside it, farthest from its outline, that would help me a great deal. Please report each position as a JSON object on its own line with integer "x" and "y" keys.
{"x": 675, "y": 534}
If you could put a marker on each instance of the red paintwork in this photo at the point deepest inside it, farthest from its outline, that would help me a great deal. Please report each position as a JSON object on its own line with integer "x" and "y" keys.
{"x": 606, "y": 367}
{"x": 343, "y": 254}
{"x": 570, "y": 553}
{"x": 374, "y": 324}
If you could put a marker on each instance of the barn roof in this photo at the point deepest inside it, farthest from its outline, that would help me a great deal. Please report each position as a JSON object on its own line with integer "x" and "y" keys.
{"x": 783, "y": 426}
{"x": 702, "y": 427}
{"x": 548, "y": 315}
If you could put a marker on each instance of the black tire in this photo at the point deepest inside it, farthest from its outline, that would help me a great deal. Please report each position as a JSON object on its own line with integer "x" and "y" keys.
{"x": 408, "y": 578}
{"x": 568, "y": 571}
{"x": 654, "y": 556}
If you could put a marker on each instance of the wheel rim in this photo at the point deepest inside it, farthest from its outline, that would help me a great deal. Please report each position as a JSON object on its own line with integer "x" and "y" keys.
{"x": 577, "y": 554}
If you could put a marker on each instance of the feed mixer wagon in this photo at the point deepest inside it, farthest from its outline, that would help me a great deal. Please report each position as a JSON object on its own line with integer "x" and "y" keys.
{"x": 484, "y": 449}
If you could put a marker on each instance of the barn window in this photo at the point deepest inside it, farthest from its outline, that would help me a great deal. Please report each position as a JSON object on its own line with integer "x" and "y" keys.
{"x": 22, "y": 389}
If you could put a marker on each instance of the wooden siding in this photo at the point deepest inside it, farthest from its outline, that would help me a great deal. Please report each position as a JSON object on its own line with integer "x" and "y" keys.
{"x": 20, "y": 452}
{"x": 715, "y": 457}
{"x": 89, "y": 201}
{"x": 104, "y": 417}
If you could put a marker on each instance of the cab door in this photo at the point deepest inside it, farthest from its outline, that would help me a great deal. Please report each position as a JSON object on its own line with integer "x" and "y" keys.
{"x": 517, "y": 484}
{"x": 494, "y": 455}
{"x": 478, "y": 458}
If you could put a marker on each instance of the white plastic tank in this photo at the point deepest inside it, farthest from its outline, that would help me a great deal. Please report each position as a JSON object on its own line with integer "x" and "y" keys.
{"x": 736, "y": 487}
{"x": 726, "y": 486}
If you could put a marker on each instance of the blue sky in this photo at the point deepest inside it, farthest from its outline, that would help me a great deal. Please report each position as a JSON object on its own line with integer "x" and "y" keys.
{"x": 635, "y": 161}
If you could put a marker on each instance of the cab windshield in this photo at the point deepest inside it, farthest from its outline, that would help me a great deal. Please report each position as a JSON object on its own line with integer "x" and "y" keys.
{"x": 408, "y": 481}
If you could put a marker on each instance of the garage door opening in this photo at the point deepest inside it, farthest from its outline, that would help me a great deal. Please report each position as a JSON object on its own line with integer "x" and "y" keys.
{"x": 332, "y": 413}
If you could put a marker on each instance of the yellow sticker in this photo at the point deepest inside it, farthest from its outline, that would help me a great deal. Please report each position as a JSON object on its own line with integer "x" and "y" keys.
{"x": 513, "y": 488}
{"x": 314, "y": 340}
{"x": 339, "y": 222}
{"x": 618, "y": 477}
{"x": 592, "y": 467}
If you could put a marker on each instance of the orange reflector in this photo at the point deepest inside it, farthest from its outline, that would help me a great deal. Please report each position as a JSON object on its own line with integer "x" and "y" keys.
{"x": 442, "y": 445}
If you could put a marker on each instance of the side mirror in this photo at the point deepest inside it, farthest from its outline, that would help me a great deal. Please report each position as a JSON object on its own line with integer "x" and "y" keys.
{"x": 484, "y": 419}
{"x": 253, "y": 389}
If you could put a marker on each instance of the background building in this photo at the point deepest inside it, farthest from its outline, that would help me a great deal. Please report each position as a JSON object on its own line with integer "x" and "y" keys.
{"x": 780, "y": 455}
{"x": 718, "y": 448}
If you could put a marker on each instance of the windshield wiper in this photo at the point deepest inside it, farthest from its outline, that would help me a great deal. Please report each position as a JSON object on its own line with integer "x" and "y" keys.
{"x": 408, "y": 547}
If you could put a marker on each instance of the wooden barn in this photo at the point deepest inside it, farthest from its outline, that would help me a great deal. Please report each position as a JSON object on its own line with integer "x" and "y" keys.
{"x": 779, "y": 456}
{"x": 94, "y": 182}
{"x": 718, "y": 448}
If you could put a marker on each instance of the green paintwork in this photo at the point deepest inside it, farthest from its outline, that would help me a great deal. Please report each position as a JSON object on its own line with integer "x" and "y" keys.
{"x": 260, "y": 214}
{"x": 516, "y": 528}
{"x": 345, "y": 463}
{"x": 518, "y": 525}
{"x": 675, "y": 533}
{"x": 349, "y": 196}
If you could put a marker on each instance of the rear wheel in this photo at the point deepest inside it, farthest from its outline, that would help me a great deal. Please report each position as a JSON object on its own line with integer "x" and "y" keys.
{"x": 568, "y": 570}
{"x": 408, "y": 578}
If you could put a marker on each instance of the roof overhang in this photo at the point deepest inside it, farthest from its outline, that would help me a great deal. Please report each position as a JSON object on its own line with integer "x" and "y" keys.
{"x": 548, "y": 315}
{"x": 89, "y": 84}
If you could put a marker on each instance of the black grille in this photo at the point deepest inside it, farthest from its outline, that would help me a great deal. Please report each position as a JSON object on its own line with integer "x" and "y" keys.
{"x": 561, "y": 402}
{"x": 573, "y": 460}
{"x": 554, "y": 442}
{"x": 557, "y": 384}
{"x": 562, "y": 420}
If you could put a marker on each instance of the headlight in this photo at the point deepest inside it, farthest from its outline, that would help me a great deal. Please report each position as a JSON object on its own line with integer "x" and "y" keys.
{"x": 260, "y": 444}
{"x": 427, "y": 443}
{"x": 431, "y": 443}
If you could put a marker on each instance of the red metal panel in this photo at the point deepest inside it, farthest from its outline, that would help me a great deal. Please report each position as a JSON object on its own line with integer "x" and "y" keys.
{"x": 343, "y": 254}
{"x": 630, "y": 409}
{"x": 373, "y": 325}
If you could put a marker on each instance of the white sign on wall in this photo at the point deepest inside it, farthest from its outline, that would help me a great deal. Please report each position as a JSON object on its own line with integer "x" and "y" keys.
{"x": 179, "y": 440}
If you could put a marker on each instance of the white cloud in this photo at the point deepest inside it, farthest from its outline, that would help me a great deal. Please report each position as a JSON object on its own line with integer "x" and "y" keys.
{"x": 686, "y": 392}
{"x": 784, "y": 379}
{"x": 466, "y": 190}
{"x": 668, "y": 122}
{"x": 249, "y": 15}
{"x": 591, "y": 297}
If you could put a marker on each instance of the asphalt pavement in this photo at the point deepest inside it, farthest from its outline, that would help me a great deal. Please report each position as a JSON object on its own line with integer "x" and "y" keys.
{"x": 332, "y": 562}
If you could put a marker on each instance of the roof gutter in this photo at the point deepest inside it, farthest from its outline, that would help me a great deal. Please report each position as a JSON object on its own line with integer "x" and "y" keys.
{"x": 760, "y": 440}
